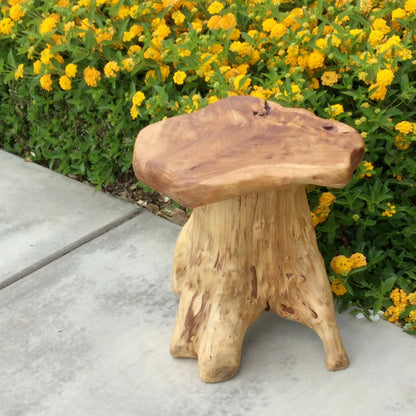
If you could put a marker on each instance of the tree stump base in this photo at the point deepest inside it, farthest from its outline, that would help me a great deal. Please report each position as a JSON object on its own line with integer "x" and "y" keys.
{"x": 237, "y": 258}
{"x": 249, "y": 245}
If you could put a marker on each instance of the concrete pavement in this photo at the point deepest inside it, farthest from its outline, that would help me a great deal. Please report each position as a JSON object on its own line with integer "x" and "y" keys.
{"x": 42, "y": 218}
{"x": 86, "y": 316}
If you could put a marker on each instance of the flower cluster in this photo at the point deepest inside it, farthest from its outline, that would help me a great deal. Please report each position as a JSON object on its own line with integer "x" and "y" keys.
{"x": 321, "y": 212}
{"x": 342, "y": 265}
{"x": 367, "y": 170}
{"x": 389, "y": 211}
{"x": 401, "y": 302}
{"x": 408, "y": 130}
{"x": 299, "y": 49}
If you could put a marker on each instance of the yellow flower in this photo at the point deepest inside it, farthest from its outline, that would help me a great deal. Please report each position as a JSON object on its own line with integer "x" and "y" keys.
{"x": 65, "y": 83}
{"x": 375, "y": 38}
{"x": 215, "y": 7}
{"x": 133, "y": 112}
{"x": 123, "y": 12}
{"x": 314, "y": 84}
{"x": 6, "y": 26}
{"x": 366, "y": 6}
{"x": 412, "y": 298}
{"x": 410, "y": 6}
{"x": 404, "y": 127}
{"x": 327, "y": 198}
{"x": 46, "y": 82}
{"x": 68, "y": 26}
{"x": 234, "y": 34}
{"x": 228, "y": 21}
{"x": 71, "y": 70}
{"x": 387, "y": 47}
{"x": 341, "y": 264}
{"x": 291, "y": 20}
{"x": 197, "y": 25}
{"x": 381, "y": 25}
{"x": 398, "y": 177}
{"x": 338, "y": 288}
{"x": 46, "y": 56}
{"x": 212, "y": 99}
{"x": 379, "y": 92}
{"x": 405, "y": 54}
{"x": 385, "y": 77}
{"x": 278, "y": 30}
{"x": 336, "y": 109}
{"x": 315, "y": 219}
{"x": 214, "y": 22}
{"x": 164, "y": 71}
{"x": 330, "y": 78}
{"x": 390, "y": 211}
{"x": 128, "y": 36}
{"x": 358, "y": 260}
{"x": 179, "y": 77}
{"x": 133, "y": 10}
{"x": 260, "y": 92}
{"x": 138, "y": 98}
{"x": 242, "y": 48}
{"x": 358, "y": 33}
{"x": 268, "y": 25}
{"x": 110, "y": 69}
{"x": 19, "y": 72}
{"x": 368, "y": 169}
{"x": 162, "y": 31}
{"x": 59, "y": 58}
{"x": 401, "y": 142}
{"x": 316, "y": 60}
{"x": 392, "y": 313}
{"x": 241, "y": 86}
{"x": 362, "y": 76}
{"x": 30, "y": 52}
{"x": 320, "y": 214}
{"x": 398, "y": 14}
{"x": 37, "y": 65}
{"x": 134, "y": 49}
{"x": 49, "y": 23}
{"x": 150, "y": 74}
{"x": 178, "y": 17}
{"x": 399, "y": 297}
{"x": 322, "y": 211}
{"x": 16, "y": 12}
{"x": 321, "y": 44}
{"x": 152, "y": 53}
{"x": 91, "y": 76}
{"x": 411, "y": 317}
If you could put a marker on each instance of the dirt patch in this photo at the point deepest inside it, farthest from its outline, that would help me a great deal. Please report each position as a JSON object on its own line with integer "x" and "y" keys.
{"x": 128, "y": 189}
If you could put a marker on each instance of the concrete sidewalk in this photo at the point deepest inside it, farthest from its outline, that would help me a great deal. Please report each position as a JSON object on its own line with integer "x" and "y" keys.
{"x": 87, "y": 312}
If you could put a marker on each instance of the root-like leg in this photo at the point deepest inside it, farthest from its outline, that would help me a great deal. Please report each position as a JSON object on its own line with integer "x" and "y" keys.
{"x": 313, "y": 306}
{"x": 235, "y": 257}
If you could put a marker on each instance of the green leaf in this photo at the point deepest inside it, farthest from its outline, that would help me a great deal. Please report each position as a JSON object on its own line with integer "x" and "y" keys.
{"x": 10, "y": 59}
{"x": 407, "y": 311}
{"x": 387, "y": 285}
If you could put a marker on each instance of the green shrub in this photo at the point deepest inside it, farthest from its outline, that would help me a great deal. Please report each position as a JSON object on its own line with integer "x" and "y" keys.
{"x": 81, "y": 78}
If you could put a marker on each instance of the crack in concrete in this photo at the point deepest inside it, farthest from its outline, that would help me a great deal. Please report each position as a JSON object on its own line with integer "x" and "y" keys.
{"x": 69, "y": 248}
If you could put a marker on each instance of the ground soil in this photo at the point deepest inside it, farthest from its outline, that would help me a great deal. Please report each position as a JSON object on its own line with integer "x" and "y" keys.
{"x": 128, "y": 189}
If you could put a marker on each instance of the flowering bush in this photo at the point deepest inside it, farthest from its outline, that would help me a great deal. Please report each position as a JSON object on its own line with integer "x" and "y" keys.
{"x": 81, "y": 78}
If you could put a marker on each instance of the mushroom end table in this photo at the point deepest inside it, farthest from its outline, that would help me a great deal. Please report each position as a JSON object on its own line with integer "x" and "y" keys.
{"x": 249, "y": 246}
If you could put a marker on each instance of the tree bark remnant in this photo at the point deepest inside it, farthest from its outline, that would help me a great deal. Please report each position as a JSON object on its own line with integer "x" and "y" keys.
{"x": 242, "y": 163}
{"x": 237, "y": 258}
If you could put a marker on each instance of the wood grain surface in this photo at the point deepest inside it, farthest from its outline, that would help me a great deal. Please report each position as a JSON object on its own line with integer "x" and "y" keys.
{"x": 240, "y": 145}
{"x": 238, "y": 258}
